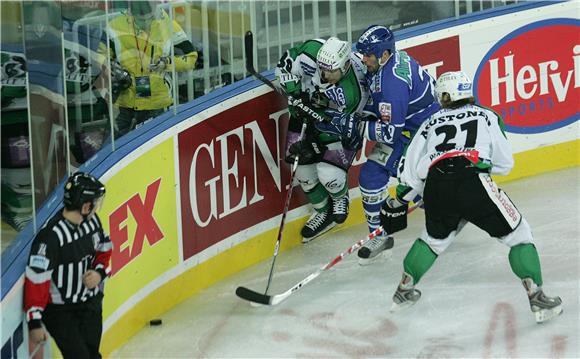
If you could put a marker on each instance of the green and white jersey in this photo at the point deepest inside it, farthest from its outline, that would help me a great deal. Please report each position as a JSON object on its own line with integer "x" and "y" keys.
{"x": 298, "y": 73}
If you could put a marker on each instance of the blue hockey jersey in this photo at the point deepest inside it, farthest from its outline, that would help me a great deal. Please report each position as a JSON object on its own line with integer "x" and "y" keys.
{"x": 402, "y": 98}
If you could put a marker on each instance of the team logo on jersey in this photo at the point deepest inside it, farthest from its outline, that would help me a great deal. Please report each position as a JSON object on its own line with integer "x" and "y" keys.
{"x": 402, "y": 68}
{"x": 385, "y": 111}
{"x": 13, "y": 69}
{"x": 336, "y": 95}
{"x": 534, "y": 90}
{"x": 40, "y": 262}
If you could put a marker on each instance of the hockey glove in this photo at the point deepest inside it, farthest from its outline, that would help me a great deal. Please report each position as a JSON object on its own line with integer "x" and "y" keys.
{"x": 308, "y": 151}
{"x": 394, "y": 215}
{"x": 381, "y": 132}
{"x": 348, "y": 127}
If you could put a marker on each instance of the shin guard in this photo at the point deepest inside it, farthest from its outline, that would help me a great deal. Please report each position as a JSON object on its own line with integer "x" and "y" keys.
{"x": 418, "y": 260}
{"x": 525, "y": 262}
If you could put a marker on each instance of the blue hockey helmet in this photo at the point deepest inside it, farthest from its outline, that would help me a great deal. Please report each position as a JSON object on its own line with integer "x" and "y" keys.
{"x": 375, "y": 40}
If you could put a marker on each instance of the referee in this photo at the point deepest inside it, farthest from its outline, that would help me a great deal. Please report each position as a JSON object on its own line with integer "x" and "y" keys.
{"x": 68, "y": 261}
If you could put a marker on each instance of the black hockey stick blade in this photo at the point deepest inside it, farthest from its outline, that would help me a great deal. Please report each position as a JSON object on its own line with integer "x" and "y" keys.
{"x": 253, "y": 296}
{"x": 249, "y": 44}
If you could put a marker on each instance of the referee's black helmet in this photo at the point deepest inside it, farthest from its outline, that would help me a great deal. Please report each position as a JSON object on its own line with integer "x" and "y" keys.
{"x": 81, "y": 188}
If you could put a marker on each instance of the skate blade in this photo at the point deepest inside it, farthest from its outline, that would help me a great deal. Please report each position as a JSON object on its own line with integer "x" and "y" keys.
{"x": 545, "y": 315}
{"x": 366, "y": 261}
{"x": 308, "y": 240}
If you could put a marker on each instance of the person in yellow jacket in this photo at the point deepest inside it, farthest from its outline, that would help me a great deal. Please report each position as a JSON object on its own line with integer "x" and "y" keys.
{"x": 140, "y": 41}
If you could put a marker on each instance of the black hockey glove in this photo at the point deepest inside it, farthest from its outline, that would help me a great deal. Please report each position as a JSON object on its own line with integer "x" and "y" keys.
{"x": 394, "y": 215}
{"x": 308, "y": 150}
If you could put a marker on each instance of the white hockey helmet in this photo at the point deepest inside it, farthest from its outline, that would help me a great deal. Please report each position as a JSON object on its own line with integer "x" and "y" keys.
{"x": 456, "y": 83}
{"x": 334, "y": 54}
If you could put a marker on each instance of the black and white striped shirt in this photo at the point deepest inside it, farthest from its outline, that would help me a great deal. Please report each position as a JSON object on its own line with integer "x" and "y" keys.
{"x": 61, "y": 254}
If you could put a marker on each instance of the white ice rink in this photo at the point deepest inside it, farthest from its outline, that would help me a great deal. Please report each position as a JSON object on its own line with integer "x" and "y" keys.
{"x": 472, "y": 304}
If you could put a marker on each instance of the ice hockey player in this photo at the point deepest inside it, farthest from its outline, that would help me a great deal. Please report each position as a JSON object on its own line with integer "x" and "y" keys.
{"x": 449, "y": 161}
{"x": 402, "y": 98}
{"x": 323, "y": 75}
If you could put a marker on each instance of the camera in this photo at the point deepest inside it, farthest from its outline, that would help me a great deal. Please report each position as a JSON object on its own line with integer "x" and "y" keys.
{"x": 121, "y": 79}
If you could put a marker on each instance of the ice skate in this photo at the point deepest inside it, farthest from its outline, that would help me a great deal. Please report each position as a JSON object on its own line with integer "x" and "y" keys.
{"x": 406, "y": 294}
{"x": 317, "y": 224}
{"x": 543, "y": 307}
{"x": 340, "y": 208}
{"x": 374, "y": 249}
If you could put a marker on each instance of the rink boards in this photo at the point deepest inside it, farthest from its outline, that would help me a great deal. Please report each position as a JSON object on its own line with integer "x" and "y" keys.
{"x": 195, "y": 197}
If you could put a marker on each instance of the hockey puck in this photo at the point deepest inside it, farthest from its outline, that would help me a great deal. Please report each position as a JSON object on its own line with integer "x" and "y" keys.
{"x": 155, "y": 322}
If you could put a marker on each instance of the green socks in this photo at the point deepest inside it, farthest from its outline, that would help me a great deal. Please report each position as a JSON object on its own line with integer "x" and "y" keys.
{"x": 523, "y": 258}
{"x": 525, "y": 262}
{"x": 318, "y": 197}
{"x": 418, "y": 260}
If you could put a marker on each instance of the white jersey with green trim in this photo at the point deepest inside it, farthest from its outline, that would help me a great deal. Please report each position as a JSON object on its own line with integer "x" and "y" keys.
{"x": 471, "y": 131}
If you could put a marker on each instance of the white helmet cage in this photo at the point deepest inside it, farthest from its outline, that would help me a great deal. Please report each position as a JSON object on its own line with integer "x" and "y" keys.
{"x": 457, "y": 84}
{"x": 334, "y": 54}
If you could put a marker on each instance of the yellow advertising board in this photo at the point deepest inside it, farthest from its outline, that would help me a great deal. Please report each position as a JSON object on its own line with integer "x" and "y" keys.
{"x": 140, "y": 215}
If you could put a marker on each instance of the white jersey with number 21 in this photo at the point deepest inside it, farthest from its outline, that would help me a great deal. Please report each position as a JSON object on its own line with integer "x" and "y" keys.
{"x": 470, "y": 131}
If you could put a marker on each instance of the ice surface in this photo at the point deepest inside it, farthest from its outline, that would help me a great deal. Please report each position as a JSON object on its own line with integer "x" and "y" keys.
{"x": 472, "y": 304}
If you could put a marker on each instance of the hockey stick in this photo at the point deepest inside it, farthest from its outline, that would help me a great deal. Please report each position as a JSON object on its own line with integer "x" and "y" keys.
{"x": 256, "y": 297}
{"x": 36, "y": 349}
{"x": 305, "y": 108}
{"x": 249, "y": 43}
{"x": 285, "y": 212}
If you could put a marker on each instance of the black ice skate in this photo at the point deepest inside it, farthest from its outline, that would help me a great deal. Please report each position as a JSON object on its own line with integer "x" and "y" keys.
{"x": 372, "y": 250}
{"x": 406, "y": 294}
{"x": 543, "y": 307}
{"x": 340, "y": 208}
{"x": 317, "y": 224}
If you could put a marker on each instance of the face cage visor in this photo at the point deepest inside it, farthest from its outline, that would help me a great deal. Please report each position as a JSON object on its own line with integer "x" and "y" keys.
{"x": 98, "y": 203}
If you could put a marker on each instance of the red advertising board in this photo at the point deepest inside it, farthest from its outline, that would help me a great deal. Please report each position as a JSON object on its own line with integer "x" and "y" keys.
{"x": 231, "y": 172}
{"x": 532, "y": 76}
{"x": 441, "y": 55}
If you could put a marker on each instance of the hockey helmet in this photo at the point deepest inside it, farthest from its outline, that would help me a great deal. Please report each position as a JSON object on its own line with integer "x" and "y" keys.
{"x": 375, "y": 40}
{"x": 456, "y": 83}
{"x": 333, "y": 55}
{"x": 81, "y": 188}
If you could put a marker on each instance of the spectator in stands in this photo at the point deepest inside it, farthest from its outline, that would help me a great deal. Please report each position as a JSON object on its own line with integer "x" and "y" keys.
{"x": 69, "y": 259}
{"x": 140, "y": 41}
